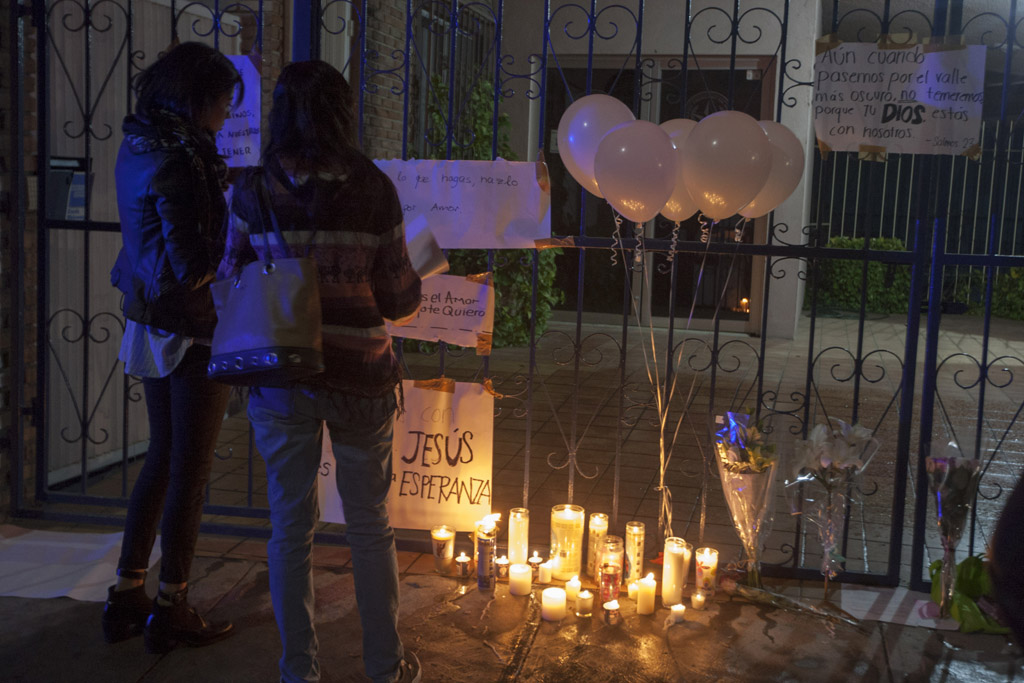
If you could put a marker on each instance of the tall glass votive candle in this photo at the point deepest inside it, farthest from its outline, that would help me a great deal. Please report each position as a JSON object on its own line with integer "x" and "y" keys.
{"x": 707, "y": 569}
{"x": 676, "y": 568}
{"x": 518, "y": 535}
{"x": 634, "y": 568}
{"x": 595, "y": 542}
{"x": 566, "y": 540}
{"x": 442, "y": 538}
{"x": 486, "y": 542}
{"x": 610, "y": 573}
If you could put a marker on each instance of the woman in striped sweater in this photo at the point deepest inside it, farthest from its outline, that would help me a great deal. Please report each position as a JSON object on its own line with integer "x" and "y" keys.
{"x": 331, "y": 201}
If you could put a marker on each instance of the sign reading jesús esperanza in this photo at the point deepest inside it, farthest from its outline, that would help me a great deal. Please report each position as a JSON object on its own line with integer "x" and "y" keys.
{"x": 912, "y": 98}
{"x": 441, "y": 458}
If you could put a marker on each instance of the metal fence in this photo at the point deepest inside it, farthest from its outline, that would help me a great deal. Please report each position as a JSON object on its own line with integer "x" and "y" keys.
{"x": 612, "y": 401}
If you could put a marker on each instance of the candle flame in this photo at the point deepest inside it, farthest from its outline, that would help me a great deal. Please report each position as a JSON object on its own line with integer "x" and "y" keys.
{"x": 650, "y": 577}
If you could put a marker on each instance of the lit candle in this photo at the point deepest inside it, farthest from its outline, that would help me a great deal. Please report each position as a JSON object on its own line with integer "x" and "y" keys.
{"x": 645, "y": 595}
{"x": 462, "y": 566}
{"x": 631, "y": 590}
{"x": 707, "y": 569}
{"x": 612, "y": 616}
{"x": 501, "y": 567}
{"x": 442, "y": 539}
{"x": 677, "y": 613}
{"x": 572, "y": 588}
{"x": 544, "y": 572}
{"x": 552, "y": 606}
{"x": 634, "y": 568}
{"x": 566, "y": 540}
{"x": 518, "y": 534}
{"x": 697, "y": 599}
{"x": 520, "y": 577}
{"x": 584, "y": 603}
{"x": 595, "y": 542}
{"x": 676, "y": 567}
{"x": 486, "y": 542}
{"x": 535, "y": 563}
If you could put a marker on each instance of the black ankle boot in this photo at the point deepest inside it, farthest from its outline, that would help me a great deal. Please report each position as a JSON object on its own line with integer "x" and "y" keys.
{"x": 179, "y": 622}
{"x": 125, "y": 613}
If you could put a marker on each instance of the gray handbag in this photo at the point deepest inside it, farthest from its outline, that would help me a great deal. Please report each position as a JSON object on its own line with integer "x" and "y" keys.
{"x": 269, "y": 317}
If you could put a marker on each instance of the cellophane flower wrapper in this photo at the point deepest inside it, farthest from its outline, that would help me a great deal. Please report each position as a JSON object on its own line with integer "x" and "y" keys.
{"x": 746, "y": 466}
{"x": 826, "y": 466}
{"x": 953, "y": 480}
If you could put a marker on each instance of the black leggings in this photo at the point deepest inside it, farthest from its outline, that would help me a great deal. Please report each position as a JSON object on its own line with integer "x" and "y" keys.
{"x": 185, "y": 413}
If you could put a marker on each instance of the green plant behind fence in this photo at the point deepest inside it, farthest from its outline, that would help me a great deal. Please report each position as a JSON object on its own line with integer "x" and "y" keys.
{"x": 513, "y": 268}
{"x": 840, "y": 283}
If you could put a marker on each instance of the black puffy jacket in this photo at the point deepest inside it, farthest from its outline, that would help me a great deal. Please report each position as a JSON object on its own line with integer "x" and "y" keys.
{"x": 172, "y": 215}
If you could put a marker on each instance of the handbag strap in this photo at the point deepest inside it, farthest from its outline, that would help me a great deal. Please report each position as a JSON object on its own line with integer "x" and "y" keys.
{"x": 266, "y": 209}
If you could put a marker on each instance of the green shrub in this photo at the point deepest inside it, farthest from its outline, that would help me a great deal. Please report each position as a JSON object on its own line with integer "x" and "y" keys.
{"x": 1008, "y": 294}
{"x": 839, "y": 280}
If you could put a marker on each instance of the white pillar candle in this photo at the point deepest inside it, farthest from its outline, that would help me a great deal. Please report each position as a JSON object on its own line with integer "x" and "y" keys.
{"x": 501, "y": 568}
{"x": 645, "y": 595}
{"x": 595, "y": 542}
{"x": 544, "y": 572}
{"x": 518, "y": 534}
{"x": 584, "y": 603}
{"x": 572, "y": 588}
{"x": 707, "y": 569}
{"x": 462, "y": 566}
{"x": 677, "y": 613}
{"x": 676, "y": 566}
{"x": 631, "y": 590}
{"x": 520, "y": 577}
{"x": 697, "y": 599}
{"x": 442, "y": 539}
{"x": 552, "y": 605}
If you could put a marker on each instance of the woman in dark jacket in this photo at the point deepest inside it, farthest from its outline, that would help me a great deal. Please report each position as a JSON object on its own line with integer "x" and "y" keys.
{"x": 328, "y": 196}
{"x": 170, "y": 183}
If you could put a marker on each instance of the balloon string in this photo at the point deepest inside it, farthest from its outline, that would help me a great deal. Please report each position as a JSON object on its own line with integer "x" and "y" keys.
{"x": 738, "y": 230}
{"x": 705, "y": 229}
{"x": 675, "y": 241}
{"x": 616, "y": 238}
{"x": 638, "y": 253}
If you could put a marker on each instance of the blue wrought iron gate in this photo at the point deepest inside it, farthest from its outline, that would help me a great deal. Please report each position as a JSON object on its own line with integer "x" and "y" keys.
{"x": 610, "y": 402}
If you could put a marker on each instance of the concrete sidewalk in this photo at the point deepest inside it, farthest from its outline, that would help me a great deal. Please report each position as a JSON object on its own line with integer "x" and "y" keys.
{"x": 461, "y": 634}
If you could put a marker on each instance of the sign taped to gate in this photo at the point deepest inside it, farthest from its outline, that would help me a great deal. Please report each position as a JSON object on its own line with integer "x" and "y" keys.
{"x": 475, "y": 204}
{"x": 898, "y": 98}
{"x": 239, "y": 140}
{"x": 454, "y": 309}
{"x": 441, "y": 458}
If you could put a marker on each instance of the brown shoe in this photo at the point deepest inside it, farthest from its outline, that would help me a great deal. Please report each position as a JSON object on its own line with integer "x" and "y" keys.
{"x": 179, "y": 622}
{"x": 125, "y": 613}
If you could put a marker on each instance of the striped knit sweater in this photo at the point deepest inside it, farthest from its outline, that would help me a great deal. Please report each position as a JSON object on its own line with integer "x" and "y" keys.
{"x": 353, "y": 226}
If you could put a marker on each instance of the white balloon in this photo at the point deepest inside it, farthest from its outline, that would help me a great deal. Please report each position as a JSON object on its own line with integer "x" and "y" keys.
{"x": 680, "y": 205}
{"x": 580, "y": 130}
{"x": 787, "y": 170}
{"x": 635, "y": 168}
{"x": 726, "y": 161}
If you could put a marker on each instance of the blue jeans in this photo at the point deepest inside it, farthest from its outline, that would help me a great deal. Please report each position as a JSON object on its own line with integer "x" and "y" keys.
{"x": 288, "y": 425}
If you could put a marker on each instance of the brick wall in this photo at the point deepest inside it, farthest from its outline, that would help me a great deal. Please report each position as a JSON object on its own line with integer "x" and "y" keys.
{"x": 382, "y": 112}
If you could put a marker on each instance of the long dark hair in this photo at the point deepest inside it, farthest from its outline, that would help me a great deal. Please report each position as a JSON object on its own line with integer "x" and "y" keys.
{"x": 312, "y": 121}
{"x": 187, "y": 81}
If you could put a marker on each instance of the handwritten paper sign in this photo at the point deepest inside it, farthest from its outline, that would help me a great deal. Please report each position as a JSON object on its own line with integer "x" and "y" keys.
{"x": 441, "y": 459}
{"x": 454, "y": 309}
{"x": 239, "y": 139}
{"x": 909, "y": 100}
{"x": 475, "y": 204}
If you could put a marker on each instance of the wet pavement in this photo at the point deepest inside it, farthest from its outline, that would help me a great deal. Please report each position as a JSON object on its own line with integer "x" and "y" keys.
{"x": 462, "y": 634}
